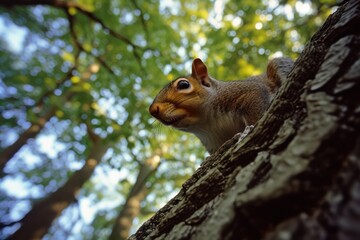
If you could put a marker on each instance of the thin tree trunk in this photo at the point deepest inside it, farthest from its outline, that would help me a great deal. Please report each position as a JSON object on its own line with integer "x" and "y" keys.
{"x": 131, "y": 208}
{"x": 29, "y": 133}
{"x": 296, "y": 175}
{"x": 36, "y": 223}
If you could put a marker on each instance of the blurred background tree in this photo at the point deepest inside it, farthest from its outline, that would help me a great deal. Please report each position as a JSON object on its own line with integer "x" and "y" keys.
{"x": 80, "y": 156}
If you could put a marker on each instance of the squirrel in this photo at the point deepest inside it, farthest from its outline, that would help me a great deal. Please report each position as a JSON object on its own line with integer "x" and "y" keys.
{"x": 216, "y": 110}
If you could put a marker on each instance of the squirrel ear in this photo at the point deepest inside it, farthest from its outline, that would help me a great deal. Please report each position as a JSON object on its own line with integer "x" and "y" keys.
{"x": 199, "y": 71}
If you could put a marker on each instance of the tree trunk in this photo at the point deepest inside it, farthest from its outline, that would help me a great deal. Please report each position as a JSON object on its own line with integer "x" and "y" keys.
{"x": 29, "y": 133}
{"x": 36, "y": 223}
{"x": 131, "y": 208}
{"x": 296, "y": 175}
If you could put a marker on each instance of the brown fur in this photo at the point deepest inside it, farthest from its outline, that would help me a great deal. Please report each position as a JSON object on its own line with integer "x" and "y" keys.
{"x": 215, "y": 110}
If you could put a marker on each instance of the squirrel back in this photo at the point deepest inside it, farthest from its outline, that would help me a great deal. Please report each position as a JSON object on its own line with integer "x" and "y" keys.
{"x": 215, "y": 110}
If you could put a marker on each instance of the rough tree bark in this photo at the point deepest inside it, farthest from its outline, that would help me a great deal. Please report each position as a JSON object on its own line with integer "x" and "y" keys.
{"x": 38, "y": 220}
{"x": 297, "y": 174}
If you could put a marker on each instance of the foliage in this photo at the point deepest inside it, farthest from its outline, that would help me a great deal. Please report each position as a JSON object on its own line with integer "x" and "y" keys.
{"x": 98, "y": 64}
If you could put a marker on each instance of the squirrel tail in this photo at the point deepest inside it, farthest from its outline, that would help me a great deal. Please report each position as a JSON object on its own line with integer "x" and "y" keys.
{"x": 277, "y": 71}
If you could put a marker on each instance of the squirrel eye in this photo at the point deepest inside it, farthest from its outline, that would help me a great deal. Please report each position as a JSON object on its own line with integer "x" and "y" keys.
{"x": 183, "y": 84}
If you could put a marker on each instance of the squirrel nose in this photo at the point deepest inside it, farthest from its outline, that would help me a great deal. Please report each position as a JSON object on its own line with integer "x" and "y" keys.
{"x": 154, "y": 109}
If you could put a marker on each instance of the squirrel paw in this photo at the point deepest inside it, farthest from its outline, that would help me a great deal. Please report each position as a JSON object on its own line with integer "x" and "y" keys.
{"x": 243, "y": 134}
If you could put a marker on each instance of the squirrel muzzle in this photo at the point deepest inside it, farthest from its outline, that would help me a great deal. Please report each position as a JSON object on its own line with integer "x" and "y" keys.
{"x": 168, "y": 114}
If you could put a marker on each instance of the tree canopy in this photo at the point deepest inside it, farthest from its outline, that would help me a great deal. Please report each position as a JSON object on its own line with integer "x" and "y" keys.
{"x": 77, "y": 143}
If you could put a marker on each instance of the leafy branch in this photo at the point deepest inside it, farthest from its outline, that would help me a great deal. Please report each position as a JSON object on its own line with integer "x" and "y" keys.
{"x": 142, "y": 17}
{"x": 77, "y": 43}
{"x": 66, "y": 5}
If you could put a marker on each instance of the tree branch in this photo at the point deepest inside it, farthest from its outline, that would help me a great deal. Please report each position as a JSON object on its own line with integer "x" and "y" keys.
{"x": 142, "y": 18}
{"x": 3, "y": 225}
{"x": 77, "y": 43}
{"x": 66, "y": 5}
{"x": 115, "y": 34}
{"x": 40, "y": 102}
{"x": 92, "y": 135}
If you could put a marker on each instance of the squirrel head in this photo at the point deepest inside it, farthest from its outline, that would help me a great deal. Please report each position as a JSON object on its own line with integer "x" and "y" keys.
{"x": 180, "y": 103}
